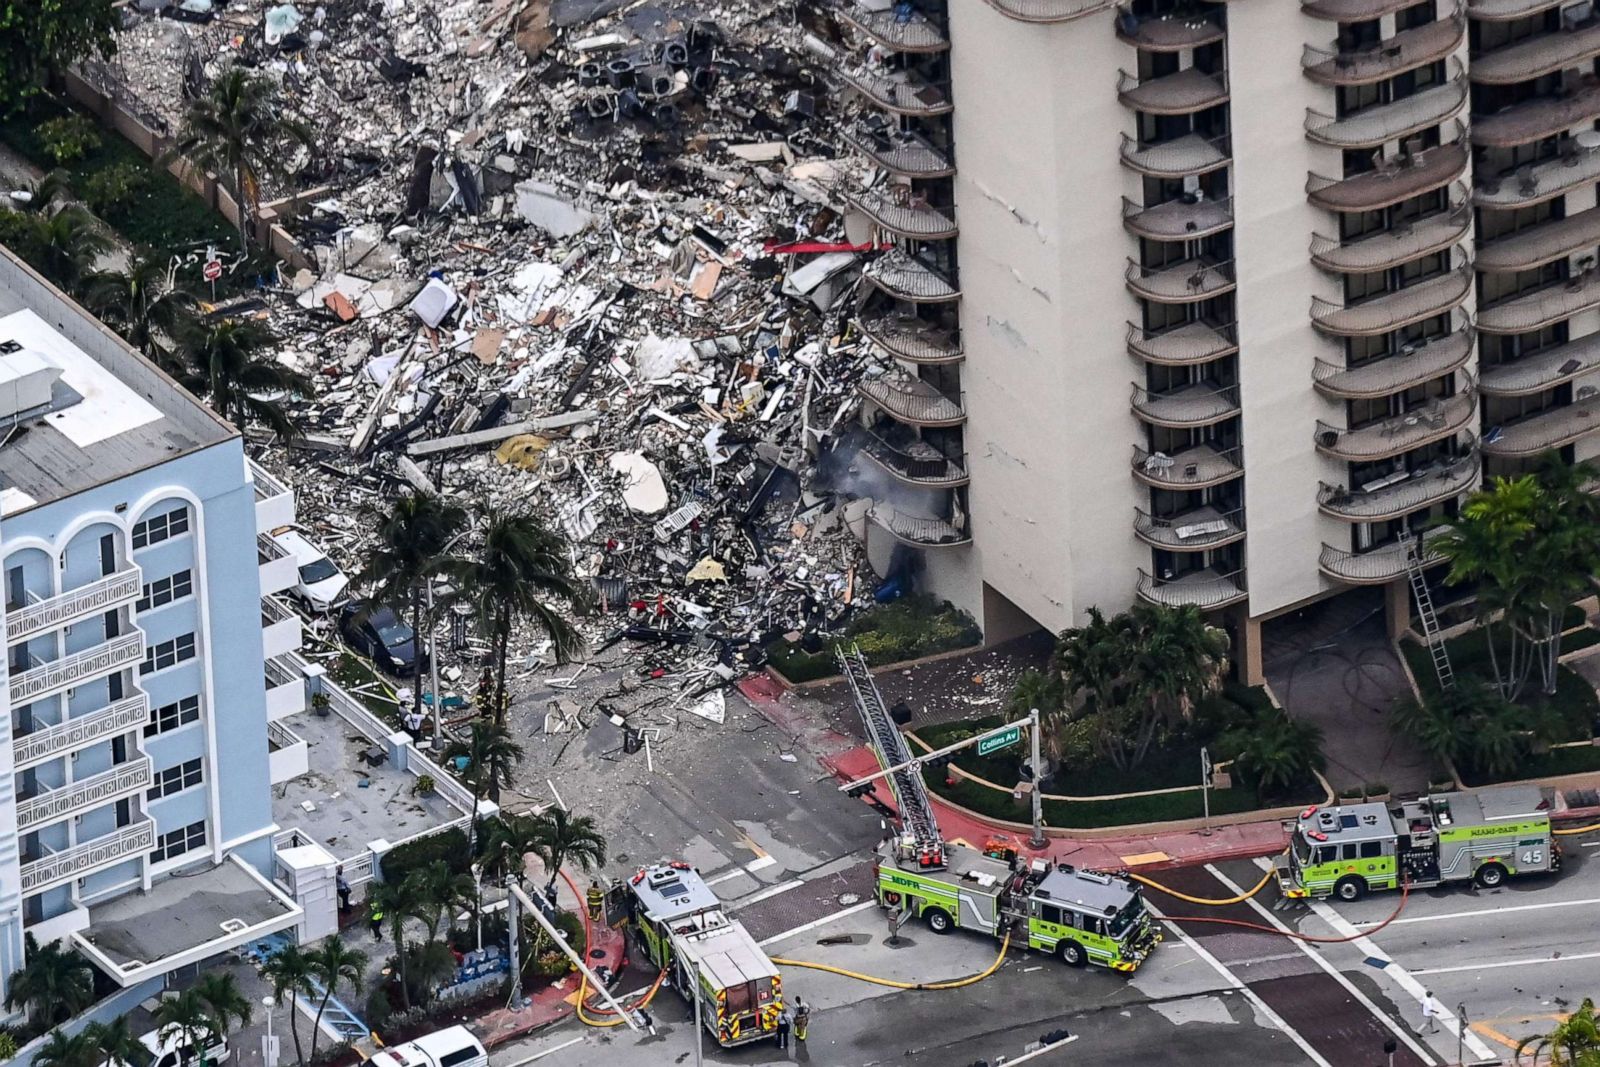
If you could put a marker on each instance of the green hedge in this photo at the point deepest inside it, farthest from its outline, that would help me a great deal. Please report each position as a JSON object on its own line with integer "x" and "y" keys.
{"x": 1579, "y": 760}
{"x": 909, "y": 628}
{"x": 1574, "y": 699}
{"x": 449, "y": 846}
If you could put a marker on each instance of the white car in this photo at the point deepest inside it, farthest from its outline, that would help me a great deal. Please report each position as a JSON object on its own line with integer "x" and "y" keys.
{"x": 453, "y": 1046}
{"x": 170, "y": 1050}
{"x": 322, "y": 585}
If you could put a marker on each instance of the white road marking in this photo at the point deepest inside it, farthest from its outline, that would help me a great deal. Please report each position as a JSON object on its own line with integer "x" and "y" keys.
{"x": 760, "y": 863}
{"x": 824, "y": 921}
{"x": 770, "y": 891}
{"x": 1337, "y": 975}
{"x": 1484, "y": 912}
{"x": 1401, "y": 977}
{"x": 1251, "y": 995}
{"x": 542, "y": 1055}
{"x": 1508, "y": 963}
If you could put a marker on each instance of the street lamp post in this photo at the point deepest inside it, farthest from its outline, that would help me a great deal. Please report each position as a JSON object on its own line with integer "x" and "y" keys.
{"x": 1038, "y": 838}
{"x": 477, "y": 892}
{"x": 269, "y": 1044}
{"x": 1461, "y": 1031}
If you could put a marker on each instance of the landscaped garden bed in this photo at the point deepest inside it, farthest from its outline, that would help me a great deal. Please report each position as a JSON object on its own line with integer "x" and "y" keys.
{"x": 911, "y": 628}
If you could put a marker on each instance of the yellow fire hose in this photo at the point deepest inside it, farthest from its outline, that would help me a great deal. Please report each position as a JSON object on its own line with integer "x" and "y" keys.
{"x": 583, "y": 994}
{"x": 1578, "y": 830}
{"x": 892, "y": 984}
{"x": 1240, "y": 899}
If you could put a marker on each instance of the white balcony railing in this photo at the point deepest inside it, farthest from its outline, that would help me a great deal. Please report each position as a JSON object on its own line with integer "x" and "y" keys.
{"x": 98, "y": 596}
{"x": 92, "y": 792}
{"x": 79, "y": 860}
{"x": 79, "y": 732}
{"x": 100, "y": 660}
{"x": 274, "y": 499}
{"x": 280, "y": 628}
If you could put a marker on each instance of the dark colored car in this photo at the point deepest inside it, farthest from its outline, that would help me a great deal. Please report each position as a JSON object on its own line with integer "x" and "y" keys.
{"x": 376, "y": 630}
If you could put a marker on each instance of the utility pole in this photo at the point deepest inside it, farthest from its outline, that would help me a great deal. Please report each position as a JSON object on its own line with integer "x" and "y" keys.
{"x": 517, "y": 894}
{"x": 1461, "y": 1031}
{"x": 1205, "y": 791}
{"x": 1038, "y": 839}
{"x": 433, "y": 672}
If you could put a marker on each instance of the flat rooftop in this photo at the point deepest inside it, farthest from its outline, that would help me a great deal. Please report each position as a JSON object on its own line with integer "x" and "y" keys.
{"x": 111, "y": 414}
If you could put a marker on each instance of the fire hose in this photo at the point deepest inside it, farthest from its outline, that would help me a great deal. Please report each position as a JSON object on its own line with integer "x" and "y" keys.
{"x": 893, "y": 984}
{"x": 583, "y": 984}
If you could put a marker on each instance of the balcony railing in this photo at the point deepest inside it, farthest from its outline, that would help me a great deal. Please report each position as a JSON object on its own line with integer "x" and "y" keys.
{"x": 1399, "y": 434}
{"x": 1178, "y": 220}
{"x": 1505, "y": 10}
{"x": 1177, "y": 32}
{"x": 900, "y": 92}
{"x": 1194, "y": 531}
{"x": 1177, "y": 346}
{"x": 1412, "y": 365}
{"x": 1048, "y": 10}
{"x": 1538, "y": 182}
{"x": 274, "y": 499}
{"x": 1551, "y": 428}
{"x": 1392, "y": 310}
{"x": 915, "y": 530}
{"x": 1398, "y": 244}
{"x": 901, "y": 28}
{"x": 902, "y": 212}
{"x": 1431, "y": 169}
{"x": 1206, "y": 590}
{"x": 1541, "y": 307}
{"x": 916, "y": 464}
{"x": 1537, "y": 245}
{"x": 1374, "y": 566}
{"x": 912, "y": 401}
{"x": 910, "y": 338}
{"x": 1199, "y": 404}
{"x": 1541, "y": 117}
{"x": 898, "y": 151}
{"x": 1406, "y": 50}
{"x": 1194, "y": 468}
{"x": 126, "y": 843}
{"x": 905, "y": 277}
{"x": 1402, "y": 492}
{"x": 1184, "y": 282}
{"x": 1544, "y": 369}
{"x": 1182, "y": 156}
{"x": 80, "y": 731}
{"x": 1381, "y": 123}
{"x": 95, "y": 598}
{"x": 1353, "y": 10}
{"x": 94, "y": 791}
{"x": 1180, "y": 93}
{"x": 1534, "y": 57}
{"x": 68, "y": 671}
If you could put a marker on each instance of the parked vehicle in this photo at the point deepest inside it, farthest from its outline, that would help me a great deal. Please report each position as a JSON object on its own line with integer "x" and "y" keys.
{"x": 169, "y": 1049}
{"x": 321, "y": 585}
{"x": 451, "y": 1047}
{"x": 378, "y": 631}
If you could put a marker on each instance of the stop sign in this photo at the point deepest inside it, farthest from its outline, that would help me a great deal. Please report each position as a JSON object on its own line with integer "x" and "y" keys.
{"x": 213, "y": 269}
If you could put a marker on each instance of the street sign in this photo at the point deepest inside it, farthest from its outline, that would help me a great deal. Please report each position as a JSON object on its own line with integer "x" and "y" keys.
{"x": 213, "y": 269}
{"x": 999, "y": 741}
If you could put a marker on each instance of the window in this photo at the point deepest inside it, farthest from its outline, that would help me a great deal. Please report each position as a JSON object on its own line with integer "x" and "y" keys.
{"x": 171, "y": 716}
{"x": 1051, "y": 914}
{"x": 167, "y": 654}
{"x": 166, "y": 590}
{"x": 460, "y": 1055}
{"x": 175, "y": 780}
{"x": 108, "y": 554}
{"x": 1324, "y": 854}
{"x": 1348, "y": 851}
{"x": 158, "y": 528}
{"x": 176, "y": 843}
{"x": 1371, "y": 850}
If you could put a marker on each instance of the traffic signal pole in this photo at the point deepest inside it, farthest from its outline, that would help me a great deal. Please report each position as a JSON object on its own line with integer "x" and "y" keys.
{"x": 1037, "y": 841}
{"x": 917, "y": 761}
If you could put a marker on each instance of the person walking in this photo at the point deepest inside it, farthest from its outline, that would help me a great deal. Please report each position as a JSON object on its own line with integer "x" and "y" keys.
{"x": 785, "y": 1020}
{"x": 1431, "y": 1010}
{"x": 375, "y": 921}
{"x": 344, "y": 890}
{"x": 802, "y": 1019}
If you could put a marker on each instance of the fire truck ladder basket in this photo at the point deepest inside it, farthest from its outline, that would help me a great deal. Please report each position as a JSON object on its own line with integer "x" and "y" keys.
{"x": 1426, "y": 616}
{"x": 911, "y": 795}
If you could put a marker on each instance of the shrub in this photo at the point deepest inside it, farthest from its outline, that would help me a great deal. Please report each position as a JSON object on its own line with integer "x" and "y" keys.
{"x": 379, "y": 1010}
{"x": 69, "y": 138}
{"x": 18, "y": 233}
{"x": 112, "y": 190}
{"x": 449, "y": 847}
{"x": 8, "y": 1045}
{"x": 909, "y": 628}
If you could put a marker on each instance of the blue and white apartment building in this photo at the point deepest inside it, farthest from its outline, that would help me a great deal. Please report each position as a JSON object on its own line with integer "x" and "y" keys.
{"x": 136, "y": 646}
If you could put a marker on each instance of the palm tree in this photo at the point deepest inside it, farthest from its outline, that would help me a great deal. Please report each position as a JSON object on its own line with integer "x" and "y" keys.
{"x": 116, "y": 1041}
{"x": 230, "y": 368}
{"x": 506, "y": 841}
{"x": 441, "y": 892}
{"x": 397, "y": 902}
{"x": 1275, "y": 751}
{"x": 66, "y": 245}
{"x": 428, "y": 963}
{"x": 241, "y": 129}
{"x": 1575, "y": 1042}
{"x": 334, "y": 964}
{"x": 413, "y": 538}
{"x": 1175, "y": 659}
{"x": 490, "y": 753}
{"x": 1088, "y": 661}
{"x": 191, "y": 1018}
{"x": 78, "y": 1050}
{"x": 53, "y": 985}
{"x": 520, "y": 566}
{"x": 289, "y": 971}
{"x": 562, "y": 836}
{"x": 144, "y": 305}
{"x": 220, "y": 994}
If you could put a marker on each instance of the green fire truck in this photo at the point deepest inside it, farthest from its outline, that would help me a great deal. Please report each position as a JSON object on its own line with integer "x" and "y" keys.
{"x": 1483, "y": 837}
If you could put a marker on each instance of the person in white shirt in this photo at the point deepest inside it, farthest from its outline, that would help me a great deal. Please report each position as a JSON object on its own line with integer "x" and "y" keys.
{"x": 1431, "y": 1010}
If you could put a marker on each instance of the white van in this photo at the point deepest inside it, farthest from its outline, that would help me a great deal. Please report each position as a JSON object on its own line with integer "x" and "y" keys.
{"x": 168, "y": 1049}
{"x": 452, "y": 1047}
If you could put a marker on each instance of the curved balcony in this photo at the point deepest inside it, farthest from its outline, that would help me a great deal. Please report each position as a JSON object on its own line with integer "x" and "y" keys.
{"x": 1180, "y": 157}
{"x": 911, "y": 401}
{"x": 1537, "y": 56}
{"x": 1048, "y": 10}
{"x": 915, "y": 530}
{"x": 1431, "y": 169}
{"x": 1206, "y": 590}
{"x": 1540, "y": 432}
{"x": 910, "y": 338}
{"x": 1402, "y": 370}
{"x": 898, "y": 151}
{"x": 1541, "y": 307}
{"x": 1170, "y": 33}
{"x": 902, "y": 214}
{"x": 1198, "y": 467}
{"x": 1506, "y": 10}
{"x": 1182, "y": 93}
{"x": 1394, "y": 246}
{"x": 1392, "y": 310}
{"x": 1181, "y": 346}
{"x": 1406, "y": 50}
{"x": 900, "y": 92}
{"x": 1544, "y": 369}
{"x": 1541, "y": 117}
{"x": 918, "y": 463}
{"x": 1402, "y": 492}
{"x": 1194, "y": 405}
{"x": 1382, "y": 123}
{"x": 1196, "y": 530}
{"x": 1353, "y": 10}
{"x": 898, "y": 30}
{"x": 905, "y": 277}
{"x": 1383, "y": 563}
{"x": 1184, "y": 282}
{"x": 1540, "y": 244}
{"x": 1177, "y": 220}
{"x": 1399, "y": 434}
{"x": 1539, "y": 182}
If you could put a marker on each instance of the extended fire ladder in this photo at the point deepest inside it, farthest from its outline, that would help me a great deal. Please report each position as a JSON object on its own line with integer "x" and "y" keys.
{"x": 1426, "y": 616}
{"x": 911, "y": 794}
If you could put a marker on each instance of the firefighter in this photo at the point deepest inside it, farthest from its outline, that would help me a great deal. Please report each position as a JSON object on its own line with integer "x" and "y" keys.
{"x": 802, "y": 1019}
{"x": 375, "y": 921}
{"x": 597, "y": 900}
